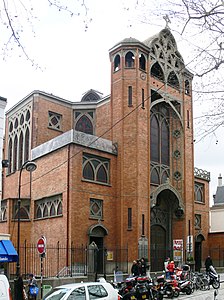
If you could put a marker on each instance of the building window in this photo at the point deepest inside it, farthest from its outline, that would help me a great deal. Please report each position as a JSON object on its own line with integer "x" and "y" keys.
{"x": 142, "y": 62}
{"x": 3, "y": 212}
{"x": 159, "y": 135}
{"x": 157, "y": 71}
{"x": 143, "y": 98}
{"x": 117, "y": 62}
{"x": 173, "y": 80}
{"x": 130, "y": 96}
{"x": 54, "y": 120}
{"x": 24, "y": 209}
{"x": 48, "y": 207}
{"x": 84, "y": 124}
{"x": 129, "y": 218}
{"x": 96, "y": 168}
{"x": 19, "y": 139}
{"x": 143, "y": 224}
{"x": 197, "y": 221}
{"x": 187, "y": 87}
{"x": 96, "y": 208}
{"x": 129, "y": 60}
{"x": 199, "y": 192}
{"x": 188, "y": 119}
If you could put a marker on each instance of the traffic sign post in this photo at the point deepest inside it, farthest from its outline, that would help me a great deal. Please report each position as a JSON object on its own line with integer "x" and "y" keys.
{"x": 41, "y": 248}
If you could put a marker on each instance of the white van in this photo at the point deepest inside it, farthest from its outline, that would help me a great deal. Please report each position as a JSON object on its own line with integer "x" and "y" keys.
{"x": 5, "y": 292}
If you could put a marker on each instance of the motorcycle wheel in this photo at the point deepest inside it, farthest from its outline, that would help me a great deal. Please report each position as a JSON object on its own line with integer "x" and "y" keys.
{"x": 156, "y": 295}
{"x": 204, "y": 284}
{"x": 216, "y": 284}
{"x": 176, "y": 294}
{"x": 188, "y": 290}
{"x": 170, "y": 292}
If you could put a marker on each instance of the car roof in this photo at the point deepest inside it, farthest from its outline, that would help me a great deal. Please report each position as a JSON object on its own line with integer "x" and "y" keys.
{"x": 77, "y": 284}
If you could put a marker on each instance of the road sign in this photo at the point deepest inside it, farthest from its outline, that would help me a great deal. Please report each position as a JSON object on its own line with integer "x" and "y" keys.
{"x": 41, "y": 244}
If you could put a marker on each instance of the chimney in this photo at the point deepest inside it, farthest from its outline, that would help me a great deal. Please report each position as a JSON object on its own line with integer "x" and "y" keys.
{"x": 220, "y": 180}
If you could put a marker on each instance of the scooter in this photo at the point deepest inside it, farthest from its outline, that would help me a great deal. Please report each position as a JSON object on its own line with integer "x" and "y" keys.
{"x": 213, "y": 278}
{"x": 185, "y": 286}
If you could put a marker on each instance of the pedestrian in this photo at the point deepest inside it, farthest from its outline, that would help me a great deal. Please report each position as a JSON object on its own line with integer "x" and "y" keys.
{"x": 142, "y": 264}
{"x": 171, "y": 268}
{"x": 19, "y": 294}
{"x": 32, "y": 284}
{"x": 166, "y": 262}
{"x": 135, "y": 268}
{"x": 208, "y": 263}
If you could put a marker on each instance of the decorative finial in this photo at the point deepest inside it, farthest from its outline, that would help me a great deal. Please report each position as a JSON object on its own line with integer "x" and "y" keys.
{"x": 167, "y": 19}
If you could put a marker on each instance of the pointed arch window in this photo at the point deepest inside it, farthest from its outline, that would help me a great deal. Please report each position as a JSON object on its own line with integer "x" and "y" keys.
{"x": 84, "y": 124}
{"x": 20, "y": 162}
{"x": 10, "y": 156}
{"x": 160, "y": 135}
{"x": 157, "y": 71}
{"x": 187, "y": 87}
{"x": 96, "y": 168}
{"x": 173, "y": 80}
{"x": 117, "y": 62}
{"x": 155, "y": 176}
{"x": 129, "y": 60}
{"x": 26, "y": 145}
{"x": 48, "y": 207}
{"x": 142, "y": 62}
{"x": 154, "y": 145}
{"x": 15, "y": 151}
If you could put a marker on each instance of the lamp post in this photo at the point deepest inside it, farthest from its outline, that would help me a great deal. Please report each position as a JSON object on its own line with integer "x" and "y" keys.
{"x": 30, "y": 166}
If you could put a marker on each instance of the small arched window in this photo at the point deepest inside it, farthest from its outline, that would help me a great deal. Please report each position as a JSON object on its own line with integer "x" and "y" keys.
{"x": 155, "y": 177}
{"x": 129, "y": 60}
{"x": 142, "y": 62}
{"x": 157, "y": 71}
{"x": 117, "y": 62}
{"x": 88, "y": 172}
{"x": 101, "y": 174}
{"x": 173, "y": 80}
{"x": 20, "y": 162}
{"x": 10, "y": 156}
{"x": 15, "y": 151}
{"x": 26, "y": 145}
{"x": 187, "y": 87}
{"x": 84, "y": 125}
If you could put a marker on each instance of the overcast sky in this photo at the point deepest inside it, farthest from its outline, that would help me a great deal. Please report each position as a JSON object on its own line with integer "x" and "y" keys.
{"x": 73, "y": 61}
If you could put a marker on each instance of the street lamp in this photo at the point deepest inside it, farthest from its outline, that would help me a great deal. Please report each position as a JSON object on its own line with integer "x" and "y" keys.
{"x": 30, "y": 166}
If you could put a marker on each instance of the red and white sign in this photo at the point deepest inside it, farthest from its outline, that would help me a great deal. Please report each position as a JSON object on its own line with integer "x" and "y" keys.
{"x": 41, "y": 245}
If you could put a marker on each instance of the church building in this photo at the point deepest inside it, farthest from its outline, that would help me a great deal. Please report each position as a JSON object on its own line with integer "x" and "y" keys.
{"x": 116, "y": 170}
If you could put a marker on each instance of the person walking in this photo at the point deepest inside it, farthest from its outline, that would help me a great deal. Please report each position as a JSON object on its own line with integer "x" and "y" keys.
{"x": 208, "y": 263}
{"x": 142, "y": 264}
{"x": 19, "y": 289}
{"x": 135, "y": 268}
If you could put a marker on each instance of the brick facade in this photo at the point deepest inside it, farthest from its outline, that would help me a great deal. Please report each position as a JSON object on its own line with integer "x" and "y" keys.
{"x": 123, "y": 138}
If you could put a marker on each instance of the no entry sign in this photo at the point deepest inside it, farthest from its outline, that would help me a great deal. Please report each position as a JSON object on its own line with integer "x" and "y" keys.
{"x": 41, "y": 244}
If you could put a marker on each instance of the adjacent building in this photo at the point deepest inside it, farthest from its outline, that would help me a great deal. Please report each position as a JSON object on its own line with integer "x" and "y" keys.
{"x": 115, "y": 171}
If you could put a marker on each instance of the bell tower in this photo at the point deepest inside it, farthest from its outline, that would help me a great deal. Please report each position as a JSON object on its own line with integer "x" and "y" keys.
{"x": 130, "y": 129}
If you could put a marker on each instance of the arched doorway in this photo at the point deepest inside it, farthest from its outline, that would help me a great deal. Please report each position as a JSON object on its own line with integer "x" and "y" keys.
{"x": 166, "y": 206}
{"x": 96, "y": 235}
{"x": 198, "y": 251}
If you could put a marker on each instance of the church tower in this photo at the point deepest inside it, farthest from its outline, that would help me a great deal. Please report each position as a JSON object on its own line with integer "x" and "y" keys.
{"x": 151, "y": 119}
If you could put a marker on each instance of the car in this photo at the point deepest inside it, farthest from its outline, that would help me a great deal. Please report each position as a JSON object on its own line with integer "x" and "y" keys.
{"x": 83, "y": 291}
{"x": 5, "y": 291}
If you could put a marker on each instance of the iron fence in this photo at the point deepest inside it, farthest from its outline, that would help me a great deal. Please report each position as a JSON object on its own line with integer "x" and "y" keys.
{"x": 61, "y": 261}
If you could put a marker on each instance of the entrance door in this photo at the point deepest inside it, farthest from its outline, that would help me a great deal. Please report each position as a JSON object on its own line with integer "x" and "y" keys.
{"x": 197, "y": 256}
{"x": 158, "y": 247}
{"x": 99, "y": 255}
